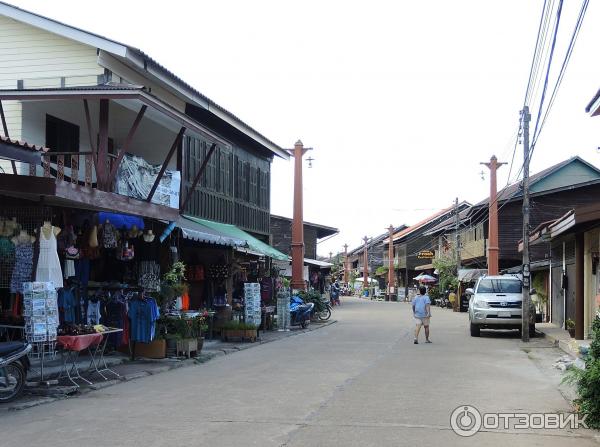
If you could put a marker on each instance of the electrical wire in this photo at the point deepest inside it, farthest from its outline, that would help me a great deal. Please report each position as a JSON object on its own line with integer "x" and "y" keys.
{"x": 562, "y": 71}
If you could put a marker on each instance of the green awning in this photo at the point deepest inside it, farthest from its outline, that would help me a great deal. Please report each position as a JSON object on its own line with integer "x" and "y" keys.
{"x": 235, "y": 233}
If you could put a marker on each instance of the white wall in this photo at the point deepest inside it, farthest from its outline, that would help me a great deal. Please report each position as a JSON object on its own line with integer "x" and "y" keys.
{"x": 151, "y": 140}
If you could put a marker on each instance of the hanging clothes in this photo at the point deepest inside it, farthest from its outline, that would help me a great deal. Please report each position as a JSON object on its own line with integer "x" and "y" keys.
{"x": 109, "y": 235}
{"x": 149, "y": 276}
{"x": 69, "y": 269}
{"x": 143, "y": 314}
{"x": 93, "y": 312}
{"x": 23, "y": 266}
{"x": 48, "y": 265}
{"x": 67, "y": 305}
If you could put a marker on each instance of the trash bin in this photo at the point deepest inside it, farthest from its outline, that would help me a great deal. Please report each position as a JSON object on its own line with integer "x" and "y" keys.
{"x": 464, "y": 303}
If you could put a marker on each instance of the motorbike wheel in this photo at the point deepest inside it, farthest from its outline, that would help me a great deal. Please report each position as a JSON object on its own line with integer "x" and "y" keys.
{"x": 325, "y": 314}
{"x": 304, "y": 324}
{"x": 12, "y": 382}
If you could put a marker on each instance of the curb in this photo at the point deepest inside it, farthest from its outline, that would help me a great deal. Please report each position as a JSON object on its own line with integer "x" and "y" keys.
{"x": 563, "y": 345}
{"x": 205, "y": 357}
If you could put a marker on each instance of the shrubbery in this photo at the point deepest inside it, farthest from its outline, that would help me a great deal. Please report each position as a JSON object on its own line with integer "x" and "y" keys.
{"x": 588, "y": 381}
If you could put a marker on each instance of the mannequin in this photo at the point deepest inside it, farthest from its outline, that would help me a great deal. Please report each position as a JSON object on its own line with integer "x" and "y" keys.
{"x": 23, "y": 238}
{"x": 149, "y": 236}
{"x": 134, "y": 232}
{"x": 48, "y": 265}
{"x": 47, "y": 229}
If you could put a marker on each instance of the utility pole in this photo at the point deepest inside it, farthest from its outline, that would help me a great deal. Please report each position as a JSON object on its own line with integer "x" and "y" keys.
{"x": 391, "y": 263}
{"x": 330, "y": 256}
{"x": 346, "y": 264}
{"x": 493, "y": 248}
{"x": 366, "y": 265}
{"x": 526, "y": 302}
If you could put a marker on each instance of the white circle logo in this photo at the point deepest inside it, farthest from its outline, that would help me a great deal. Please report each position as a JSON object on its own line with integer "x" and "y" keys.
{"x": 465, "y": 420}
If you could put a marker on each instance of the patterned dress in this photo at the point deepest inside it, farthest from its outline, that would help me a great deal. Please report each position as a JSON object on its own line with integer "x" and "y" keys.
{"x": 23, "y": 266}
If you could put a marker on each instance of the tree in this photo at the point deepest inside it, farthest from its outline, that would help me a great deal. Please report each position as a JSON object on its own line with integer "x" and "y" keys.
{"x": 446, "y": 268}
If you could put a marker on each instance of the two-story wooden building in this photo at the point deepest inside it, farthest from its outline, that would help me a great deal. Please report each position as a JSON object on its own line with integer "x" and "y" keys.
{"x": 115, "y": 131}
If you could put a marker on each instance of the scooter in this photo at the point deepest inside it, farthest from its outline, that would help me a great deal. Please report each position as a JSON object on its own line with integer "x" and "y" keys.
{"x": 300, "y": 312}
{"x": 14, "y": 365}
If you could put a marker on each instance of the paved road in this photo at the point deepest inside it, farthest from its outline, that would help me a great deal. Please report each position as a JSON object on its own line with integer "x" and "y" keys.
{"x": 359, "y": 382}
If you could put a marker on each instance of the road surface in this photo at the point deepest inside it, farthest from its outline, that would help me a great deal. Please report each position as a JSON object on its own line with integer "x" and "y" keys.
{"x": 358, "y": 382}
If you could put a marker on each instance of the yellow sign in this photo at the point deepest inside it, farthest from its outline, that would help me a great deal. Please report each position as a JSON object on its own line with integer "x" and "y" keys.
{"x": 425, "y": 254}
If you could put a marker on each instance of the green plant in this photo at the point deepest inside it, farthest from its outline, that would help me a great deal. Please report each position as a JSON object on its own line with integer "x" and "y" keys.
{"x": 239, "y": 325}
{"x": 587, "y": 381}
{"x": 312, "y": 296}
{"x": 569, "y": 324}
{"x": 446, "y": 268}
{"x": 176, "y": 274}
{"x": 381, "y": 270}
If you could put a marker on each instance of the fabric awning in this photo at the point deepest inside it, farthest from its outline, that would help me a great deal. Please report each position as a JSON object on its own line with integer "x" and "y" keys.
{"x": 317, "y": 263}
{"x": 193, "y": 230}
{"x": 468, "y": 275}
{"x": 424, "y": 267}
{"x": 234, "y": 232}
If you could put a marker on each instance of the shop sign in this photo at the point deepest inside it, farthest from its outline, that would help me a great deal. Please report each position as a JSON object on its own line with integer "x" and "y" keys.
{"x": 426, "y": 254}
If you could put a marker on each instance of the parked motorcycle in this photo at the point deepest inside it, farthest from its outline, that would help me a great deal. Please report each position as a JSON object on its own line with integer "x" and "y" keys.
{"x": 14, "y": 365}
{"x": 325, "y": 313}
{"x": 300, "y": 312}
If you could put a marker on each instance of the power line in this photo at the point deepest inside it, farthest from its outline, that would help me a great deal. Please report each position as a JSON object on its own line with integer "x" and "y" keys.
{"x": 563, "y": 69}
{"x": 535, "y": 52}
{"x": 552, "y": 48}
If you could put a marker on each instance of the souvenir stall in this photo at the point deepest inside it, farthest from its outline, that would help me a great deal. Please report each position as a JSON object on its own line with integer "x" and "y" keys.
{"x": 101, "y": 270}
{"x": 208, "y": 277}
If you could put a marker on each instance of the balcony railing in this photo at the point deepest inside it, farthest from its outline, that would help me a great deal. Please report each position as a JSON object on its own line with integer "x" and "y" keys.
{"x": 78, "y": 168}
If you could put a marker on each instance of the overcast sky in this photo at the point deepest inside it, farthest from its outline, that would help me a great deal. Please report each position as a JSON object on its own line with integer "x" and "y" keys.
{"x": 401, "y": 99}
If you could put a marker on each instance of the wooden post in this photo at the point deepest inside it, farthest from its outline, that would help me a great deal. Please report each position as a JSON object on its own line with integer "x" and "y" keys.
{"x": 579, "y": 286}
{"x": 166, "y": 163}
{"x": 5, "y": 127}
{"x": 101, "y": 173}
{"x": 94, "y": 158}
{"x": 130, "y": 134}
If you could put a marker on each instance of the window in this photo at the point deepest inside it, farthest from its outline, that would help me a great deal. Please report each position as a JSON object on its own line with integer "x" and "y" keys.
{"x": 61, "y": 136}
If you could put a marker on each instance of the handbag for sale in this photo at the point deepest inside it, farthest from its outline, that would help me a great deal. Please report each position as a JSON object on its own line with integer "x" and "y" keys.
{"x": 72, "y": 253}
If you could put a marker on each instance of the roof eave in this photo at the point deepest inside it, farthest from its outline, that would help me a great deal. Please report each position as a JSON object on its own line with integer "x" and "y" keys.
{"x": 62, "y": 29}
{"x": 141, "y": 63}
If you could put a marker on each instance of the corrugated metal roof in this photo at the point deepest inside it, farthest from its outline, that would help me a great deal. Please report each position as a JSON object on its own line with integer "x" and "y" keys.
{"x": 23, "y": 145}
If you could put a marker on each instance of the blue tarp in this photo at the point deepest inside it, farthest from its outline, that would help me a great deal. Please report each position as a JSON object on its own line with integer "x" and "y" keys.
{"x": 121, "y": 220}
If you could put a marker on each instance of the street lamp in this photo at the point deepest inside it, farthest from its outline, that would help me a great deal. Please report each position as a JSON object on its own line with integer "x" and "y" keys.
{"x": 297, "y": 282}
{"x": 366, "y": 265}
{"x": 391, "y": 263}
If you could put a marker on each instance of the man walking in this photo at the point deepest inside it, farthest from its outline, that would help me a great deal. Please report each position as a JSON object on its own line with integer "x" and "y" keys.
{"x": 421, "y": 306}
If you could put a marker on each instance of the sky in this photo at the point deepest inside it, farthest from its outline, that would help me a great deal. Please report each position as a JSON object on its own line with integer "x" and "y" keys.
{"x": 401, "y": 100}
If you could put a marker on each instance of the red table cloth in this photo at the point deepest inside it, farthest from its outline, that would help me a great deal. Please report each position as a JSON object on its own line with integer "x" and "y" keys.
{"x": 79, "y": 342}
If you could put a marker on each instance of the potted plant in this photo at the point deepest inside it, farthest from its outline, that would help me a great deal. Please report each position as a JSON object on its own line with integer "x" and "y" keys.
{"x": 172, "y": 285}
{"x": 199, "y": 328}
{"x": 238, "y": 329}
{"x": 570, "y": 325}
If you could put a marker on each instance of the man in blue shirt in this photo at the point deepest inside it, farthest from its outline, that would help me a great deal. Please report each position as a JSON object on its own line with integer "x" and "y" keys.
{"x": 421, "y": 306}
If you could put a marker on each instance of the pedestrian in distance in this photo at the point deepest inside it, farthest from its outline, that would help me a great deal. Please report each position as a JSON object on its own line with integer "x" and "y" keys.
{"x": 421, "y": 306}
{"x": 334, "y": 294}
